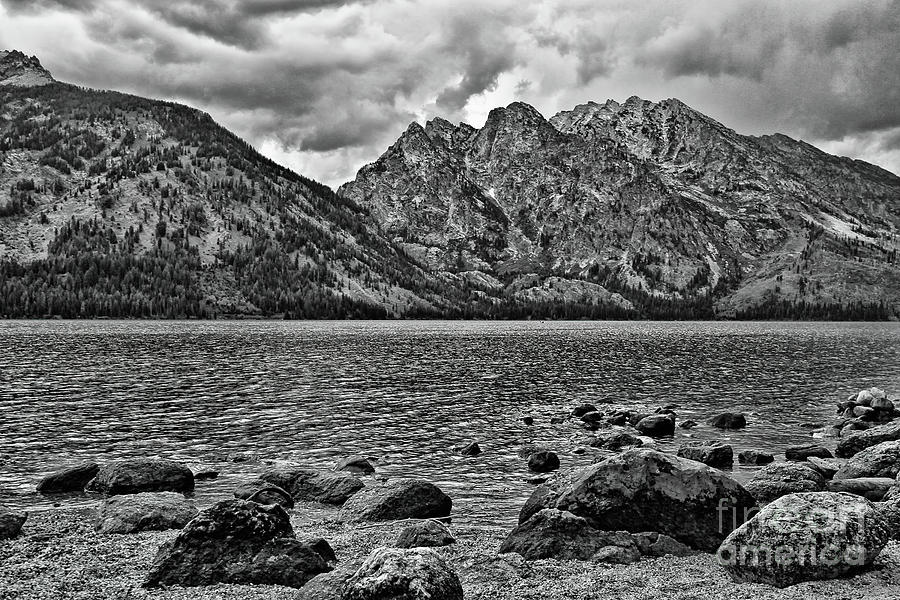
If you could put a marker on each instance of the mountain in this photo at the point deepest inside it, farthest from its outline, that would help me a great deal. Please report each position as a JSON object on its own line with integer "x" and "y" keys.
{"x": 120, "y": 206}
{"x": 649, "y": 207}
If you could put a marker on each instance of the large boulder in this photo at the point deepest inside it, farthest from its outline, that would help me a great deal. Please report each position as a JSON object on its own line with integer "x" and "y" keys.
{"x": 805, "y": 537}
{"x": 709, "y": 452}
{"x": 860, "y": 440}
{"x": 828, "y": 467}
{"x": 871, "y": 488}
{"x": 880, "y": 460}
{"x": 313, "y": 485}
{"x": 237, "y": 541}
{"x": 801, "y": 453}
{"x": 559, "y": 534}
{"x": 11, "y": 523}
{"x": 780, "y": 479}
{"x": 149, "y": 511}
{"x": 729, "y": 420}
{"x": 427, "y": 533}
{"x": 397, "y": 499}
{"x": 657, "y": 425}
{"x": 68, "y": 479}
{"x": 643, "y": 489}
{"x": 403, "y": 574}
{"x": 142, "y": 475}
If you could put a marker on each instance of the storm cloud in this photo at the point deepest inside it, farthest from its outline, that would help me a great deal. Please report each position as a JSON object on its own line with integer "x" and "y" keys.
{"x": 326, "y": 85}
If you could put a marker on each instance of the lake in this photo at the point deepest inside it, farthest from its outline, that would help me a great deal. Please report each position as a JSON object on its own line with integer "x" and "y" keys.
{"x": 215, "y": 393}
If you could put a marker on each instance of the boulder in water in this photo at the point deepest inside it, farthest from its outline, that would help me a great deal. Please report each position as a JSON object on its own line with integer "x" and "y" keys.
{"x": 147, "y": 511}
{"x": 616, "y": 441}
{"x": 729, "y": 420}
{"x": 880, "y": 460}
{"x": 805, "y": 537}
{"x": 355, "y": 464}
{"x": 313, "y": 485}
{"x": 142, "y": 475}
{"x": 801, "y": 453}
{"x": 470, "y": 449}
{"x": 397, "y": 499}
{"x": 543, "y": 461}
{"x": 709, "y": 452}
{"x": 755, "y": 457}
{"x": 657, "y": 425}
{"x": 69, "y": 479}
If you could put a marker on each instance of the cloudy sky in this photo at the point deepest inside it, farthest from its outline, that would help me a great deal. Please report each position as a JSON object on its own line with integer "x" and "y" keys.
{"x": 324, "y": 86}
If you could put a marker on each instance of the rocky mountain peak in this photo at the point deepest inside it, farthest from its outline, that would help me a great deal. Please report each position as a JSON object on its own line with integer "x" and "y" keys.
{"x": 16, "y": 68}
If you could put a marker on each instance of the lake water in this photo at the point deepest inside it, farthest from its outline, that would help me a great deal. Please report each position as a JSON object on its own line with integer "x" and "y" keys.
{"x": 404, "y": 393}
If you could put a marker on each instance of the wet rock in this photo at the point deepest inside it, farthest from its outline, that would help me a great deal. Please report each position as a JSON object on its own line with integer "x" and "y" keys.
{"x": 801, "y": 453}
{"x": 644, "y": 489}
{"x": 11, "y": 523}
{"x": 553, "y": 533}
{"x": 805, "y": 537}
{"x": 657, "y": 425}
{"x": 828, "y": 467}
{"x": 263, "y": 492}
{"x": 867, "y": 413}
{"x": 240, "y": 542}
{"x": 651, "y": 543}
{"x": 616, "y": 441}
{"x": 355, "y": 464}
{"x": 69, "y": 479}
{"x": 583, "y": 409}
{"x": 709, "y": 452}
{"x": 397, "y": 499}
{"x": 880, "y": 460}
{"x": 427, "y": 533}
{"x": 860, "y": 440}
{"x": 755, "y": 457}
{"x": 313, "y": 485}
{"x": 470, "y": 449}
{"x": 528, "y": 420}
{"x": 871, "y": 488}
{"x": 543, "y": 461}
{"x": 557, "y": 420}
{"x": 142, "y": 475}
{"x": 688, "y": 424}
{"x": 543, "y": 496}
{"x": 403, "y": 574}
{"x": 148, "y": 511}
{"x": 592, "y": 418}
{"x": 729, "y": 420}
{"x": 777, "y": 480}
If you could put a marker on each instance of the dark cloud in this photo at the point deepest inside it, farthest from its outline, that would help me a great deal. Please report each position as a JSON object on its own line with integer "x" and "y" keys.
{"x": 339, "y": 80}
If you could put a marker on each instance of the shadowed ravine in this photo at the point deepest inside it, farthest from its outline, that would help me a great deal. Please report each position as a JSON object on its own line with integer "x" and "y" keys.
{"x": 404, "y": 392}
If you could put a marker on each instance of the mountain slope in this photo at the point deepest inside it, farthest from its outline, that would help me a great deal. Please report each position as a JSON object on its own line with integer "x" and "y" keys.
{"x": 116, "y": 205}
{"x": 656, "y": 202}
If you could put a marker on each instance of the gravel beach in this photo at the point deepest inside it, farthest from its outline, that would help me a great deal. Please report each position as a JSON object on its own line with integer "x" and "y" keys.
{"x": 60, "y": 556}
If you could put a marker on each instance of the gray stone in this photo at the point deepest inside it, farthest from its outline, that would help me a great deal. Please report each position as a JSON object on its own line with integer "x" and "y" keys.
{"x": 142, "y": 475}
{"x": 403, "y": 574}
{"x": 657, "y": 425}
{"x": 871, "y": 488}
{"x": 755, "y": 457}
{"x": 709, "y": 452}
{"x": 543, "y": 461}
{"x": 729, "y": 420}
{"x": 801, "y": 453}
{"x": 355, "y": 464}
{"x": 860, "y": 440}
{"x": 805, "y": 537}
{"x": 69, "y": 479}
{"x": 397, "y": 499}
{"x": 776, "y": 480}
{"x": 313, "y": 485}
{"x": 11, "y": 523}
{"x": 427, "y": 533}
{"x": 880, "y": 460}
{"x": 148, "y": 511}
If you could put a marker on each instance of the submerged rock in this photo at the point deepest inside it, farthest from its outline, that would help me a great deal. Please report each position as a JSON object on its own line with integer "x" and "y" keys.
{"x": 427, "y": 533}
{"x": 242, "y": 542}
{"x": 470, "y": 449}
{"x": 777, "y": 480}
{"x": 729, "y": 420}
{"x": 142, "y": 475}
{"x": 355, "y": 464}
{"x": 148, "y": 511}
{"x": 755, "y": 457}
{"x": 543, "y": 461}
{"x": 805, "y": 537}
{"x": 397, "y": 499}
{"x": 69, "y": 479}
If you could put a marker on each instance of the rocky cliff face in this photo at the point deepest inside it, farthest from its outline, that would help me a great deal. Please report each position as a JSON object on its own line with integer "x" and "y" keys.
{"x": 18, "y": 69}
{"x": 654, "y": 202}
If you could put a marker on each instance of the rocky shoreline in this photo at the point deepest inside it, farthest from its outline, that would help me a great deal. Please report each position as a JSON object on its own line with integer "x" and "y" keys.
{"x": 638, "y": 523}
